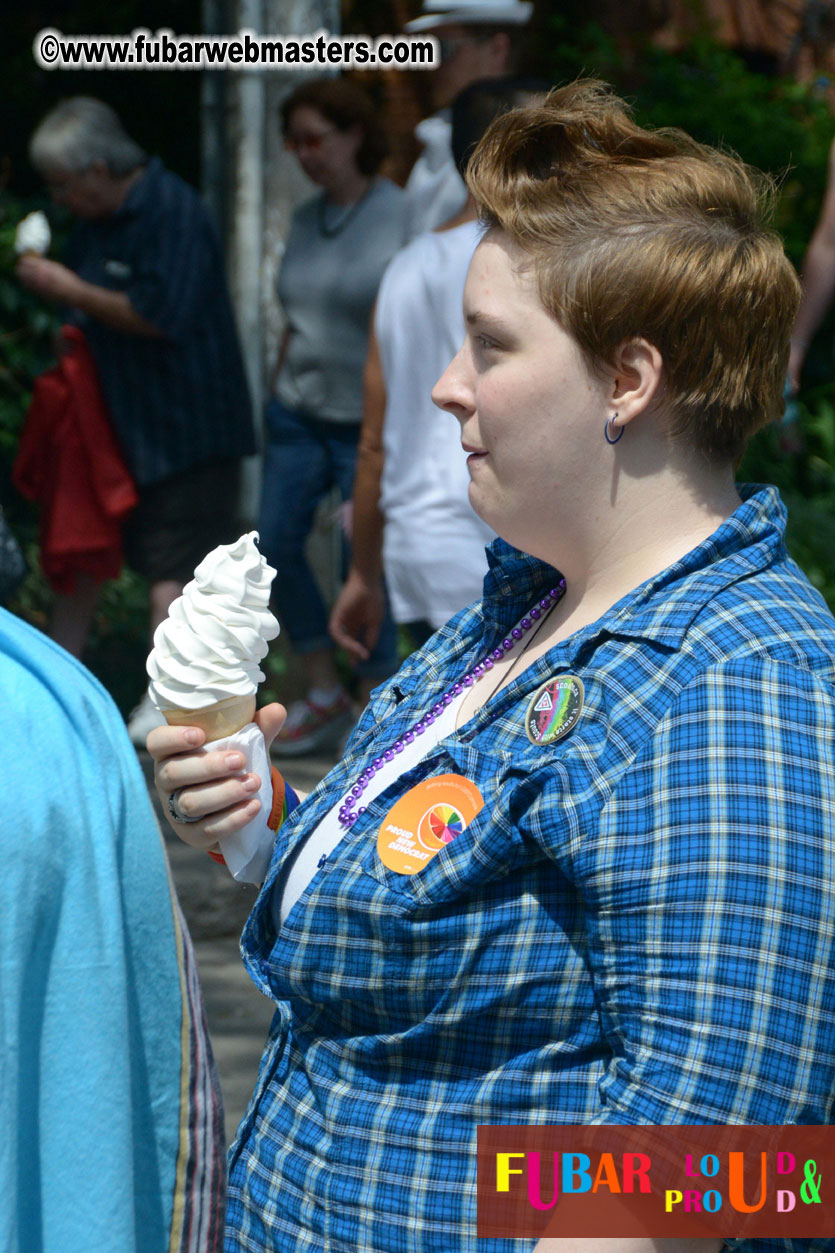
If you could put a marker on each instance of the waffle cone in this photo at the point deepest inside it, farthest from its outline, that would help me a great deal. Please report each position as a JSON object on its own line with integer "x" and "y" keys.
{"x": 223, "y": 718}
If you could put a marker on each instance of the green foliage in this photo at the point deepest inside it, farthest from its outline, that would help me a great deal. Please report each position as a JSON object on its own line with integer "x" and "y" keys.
{"x": 27, "y": 330}
{"x": 118, "y": 644}
{"x": 807, "y": 484}
{"x": 776, "y": 124}
{"x": 118, "y": 640}
{"x": 26, "y": 333}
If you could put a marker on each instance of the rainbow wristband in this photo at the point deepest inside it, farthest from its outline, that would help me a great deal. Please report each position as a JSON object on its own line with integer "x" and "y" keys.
{"x": 285, "y": 801}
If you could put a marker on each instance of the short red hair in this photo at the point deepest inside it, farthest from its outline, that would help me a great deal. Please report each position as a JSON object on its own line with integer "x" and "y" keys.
{"x": 647, "y": 234}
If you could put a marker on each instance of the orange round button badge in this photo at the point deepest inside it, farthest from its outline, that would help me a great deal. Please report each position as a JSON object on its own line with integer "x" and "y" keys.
{"x": 426, "y": 820}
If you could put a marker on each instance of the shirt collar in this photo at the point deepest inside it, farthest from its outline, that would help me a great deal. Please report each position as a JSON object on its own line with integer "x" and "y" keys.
{"x": 435, "y": 134}
{"x": 663, "y": 608}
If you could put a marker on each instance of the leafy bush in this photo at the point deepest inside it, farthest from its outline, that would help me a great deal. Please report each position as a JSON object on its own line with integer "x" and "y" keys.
{"x": 807, "y": 485}
{"x": 776, "y": 124}
{"x": 26, "y": 339}
{"x": 118, "y": 639}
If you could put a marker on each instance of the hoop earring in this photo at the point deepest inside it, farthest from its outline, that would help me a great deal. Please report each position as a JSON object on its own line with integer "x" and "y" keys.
{"x": 611, "y": 422}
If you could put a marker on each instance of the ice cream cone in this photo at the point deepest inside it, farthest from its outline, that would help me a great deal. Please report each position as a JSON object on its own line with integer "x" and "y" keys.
{"x": 223, "y": 718}
{"x": 33, "y": 236}
{"x": 220, "y": 626}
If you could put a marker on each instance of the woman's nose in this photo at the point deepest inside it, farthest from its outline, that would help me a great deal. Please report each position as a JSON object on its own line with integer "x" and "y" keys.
{"x": 453, "y": 391}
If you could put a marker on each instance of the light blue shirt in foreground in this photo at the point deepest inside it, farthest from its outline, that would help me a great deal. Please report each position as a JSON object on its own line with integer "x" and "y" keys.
{"x": 110, "y": 1118}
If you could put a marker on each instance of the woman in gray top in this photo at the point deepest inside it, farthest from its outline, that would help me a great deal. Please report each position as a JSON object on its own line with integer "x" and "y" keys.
{"x": 340, "y": 243}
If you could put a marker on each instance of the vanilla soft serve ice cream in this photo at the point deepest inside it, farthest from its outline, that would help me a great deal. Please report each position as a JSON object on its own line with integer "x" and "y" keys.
{"x": 217, "y": 633}
{"x": 205, "y": 667}
{"x": 33, "y": 234}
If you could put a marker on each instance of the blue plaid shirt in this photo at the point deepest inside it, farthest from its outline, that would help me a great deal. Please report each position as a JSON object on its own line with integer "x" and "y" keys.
{"x": 637, "y": 928}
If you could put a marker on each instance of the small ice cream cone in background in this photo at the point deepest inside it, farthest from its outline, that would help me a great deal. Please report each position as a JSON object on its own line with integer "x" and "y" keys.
{"x": 223, "y": 718}
{"x": 33, "y": 236}
{"x": 205, "y": 664}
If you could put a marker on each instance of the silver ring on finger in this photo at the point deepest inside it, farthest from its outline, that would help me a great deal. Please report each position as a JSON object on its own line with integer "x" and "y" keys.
{"x": 174, "y": 809}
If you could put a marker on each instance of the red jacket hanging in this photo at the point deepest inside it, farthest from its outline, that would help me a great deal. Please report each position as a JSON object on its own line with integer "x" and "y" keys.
{"x": 70, "y": 463}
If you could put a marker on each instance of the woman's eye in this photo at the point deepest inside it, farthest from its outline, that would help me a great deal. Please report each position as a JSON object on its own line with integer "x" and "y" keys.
{"x": 486, "y": 343}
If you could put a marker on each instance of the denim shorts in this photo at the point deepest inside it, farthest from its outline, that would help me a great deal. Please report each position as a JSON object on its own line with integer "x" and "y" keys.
{"x": 305, "y": 459}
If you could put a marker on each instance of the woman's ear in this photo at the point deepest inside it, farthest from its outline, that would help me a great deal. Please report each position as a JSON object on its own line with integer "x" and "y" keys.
{"x": 637, "y": 370}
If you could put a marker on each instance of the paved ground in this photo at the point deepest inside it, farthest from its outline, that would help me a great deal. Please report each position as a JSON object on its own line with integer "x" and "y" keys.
{"x": 216, "y": 907}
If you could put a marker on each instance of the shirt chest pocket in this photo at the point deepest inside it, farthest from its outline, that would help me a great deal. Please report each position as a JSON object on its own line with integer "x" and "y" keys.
{"x": 119, "y": 273}
{"x": 446, "y": 833}
{"x": 383, "y": 949}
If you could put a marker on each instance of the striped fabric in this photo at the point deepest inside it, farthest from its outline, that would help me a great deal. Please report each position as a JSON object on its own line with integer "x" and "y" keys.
{"x": 183, "y": 400}
{"x": 111, "y": 1124}
{"x": 637, "y": 927}
{"x": 200, "y": 1188}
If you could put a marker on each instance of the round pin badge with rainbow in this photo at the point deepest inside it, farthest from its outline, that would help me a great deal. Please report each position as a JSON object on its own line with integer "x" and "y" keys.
{"x": 440, "y": 825}
{"x": 424, "y": 822}
{"x": 554, "y": 709}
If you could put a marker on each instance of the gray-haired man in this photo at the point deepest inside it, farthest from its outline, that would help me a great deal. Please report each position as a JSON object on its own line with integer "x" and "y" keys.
{"x": 144, "y": 279}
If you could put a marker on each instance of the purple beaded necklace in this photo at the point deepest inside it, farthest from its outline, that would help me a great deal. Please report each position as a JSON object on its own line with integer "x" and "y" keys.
{"x": 347, "y": 816}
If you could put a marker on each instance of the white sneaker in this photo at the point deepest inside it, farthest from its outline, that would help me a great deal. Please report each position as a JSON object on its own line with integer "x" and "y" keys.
{"x": 142, "y": 720}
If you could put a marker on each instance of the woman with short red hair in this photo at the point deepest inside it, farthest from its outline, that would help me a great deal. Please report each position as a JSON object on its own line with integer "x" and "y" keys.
{"x": 576, "y": 865}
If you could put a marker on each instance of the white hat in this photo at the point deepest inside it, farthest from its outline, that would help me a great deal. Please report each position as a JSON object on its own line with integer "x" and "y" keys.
{"x": 470, "y": 13}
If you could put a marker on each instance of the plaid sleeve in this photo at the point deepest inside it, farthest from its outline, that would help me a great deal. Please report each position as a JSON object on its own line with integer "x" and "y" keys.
{"x": 710, "y": 891}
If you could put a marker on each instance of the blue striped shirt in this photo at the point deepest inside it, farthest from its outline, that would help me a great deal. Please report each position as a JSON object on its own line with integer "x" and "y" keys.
{"x": 637, "y": 927}
{"x": 179, "y": 401}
